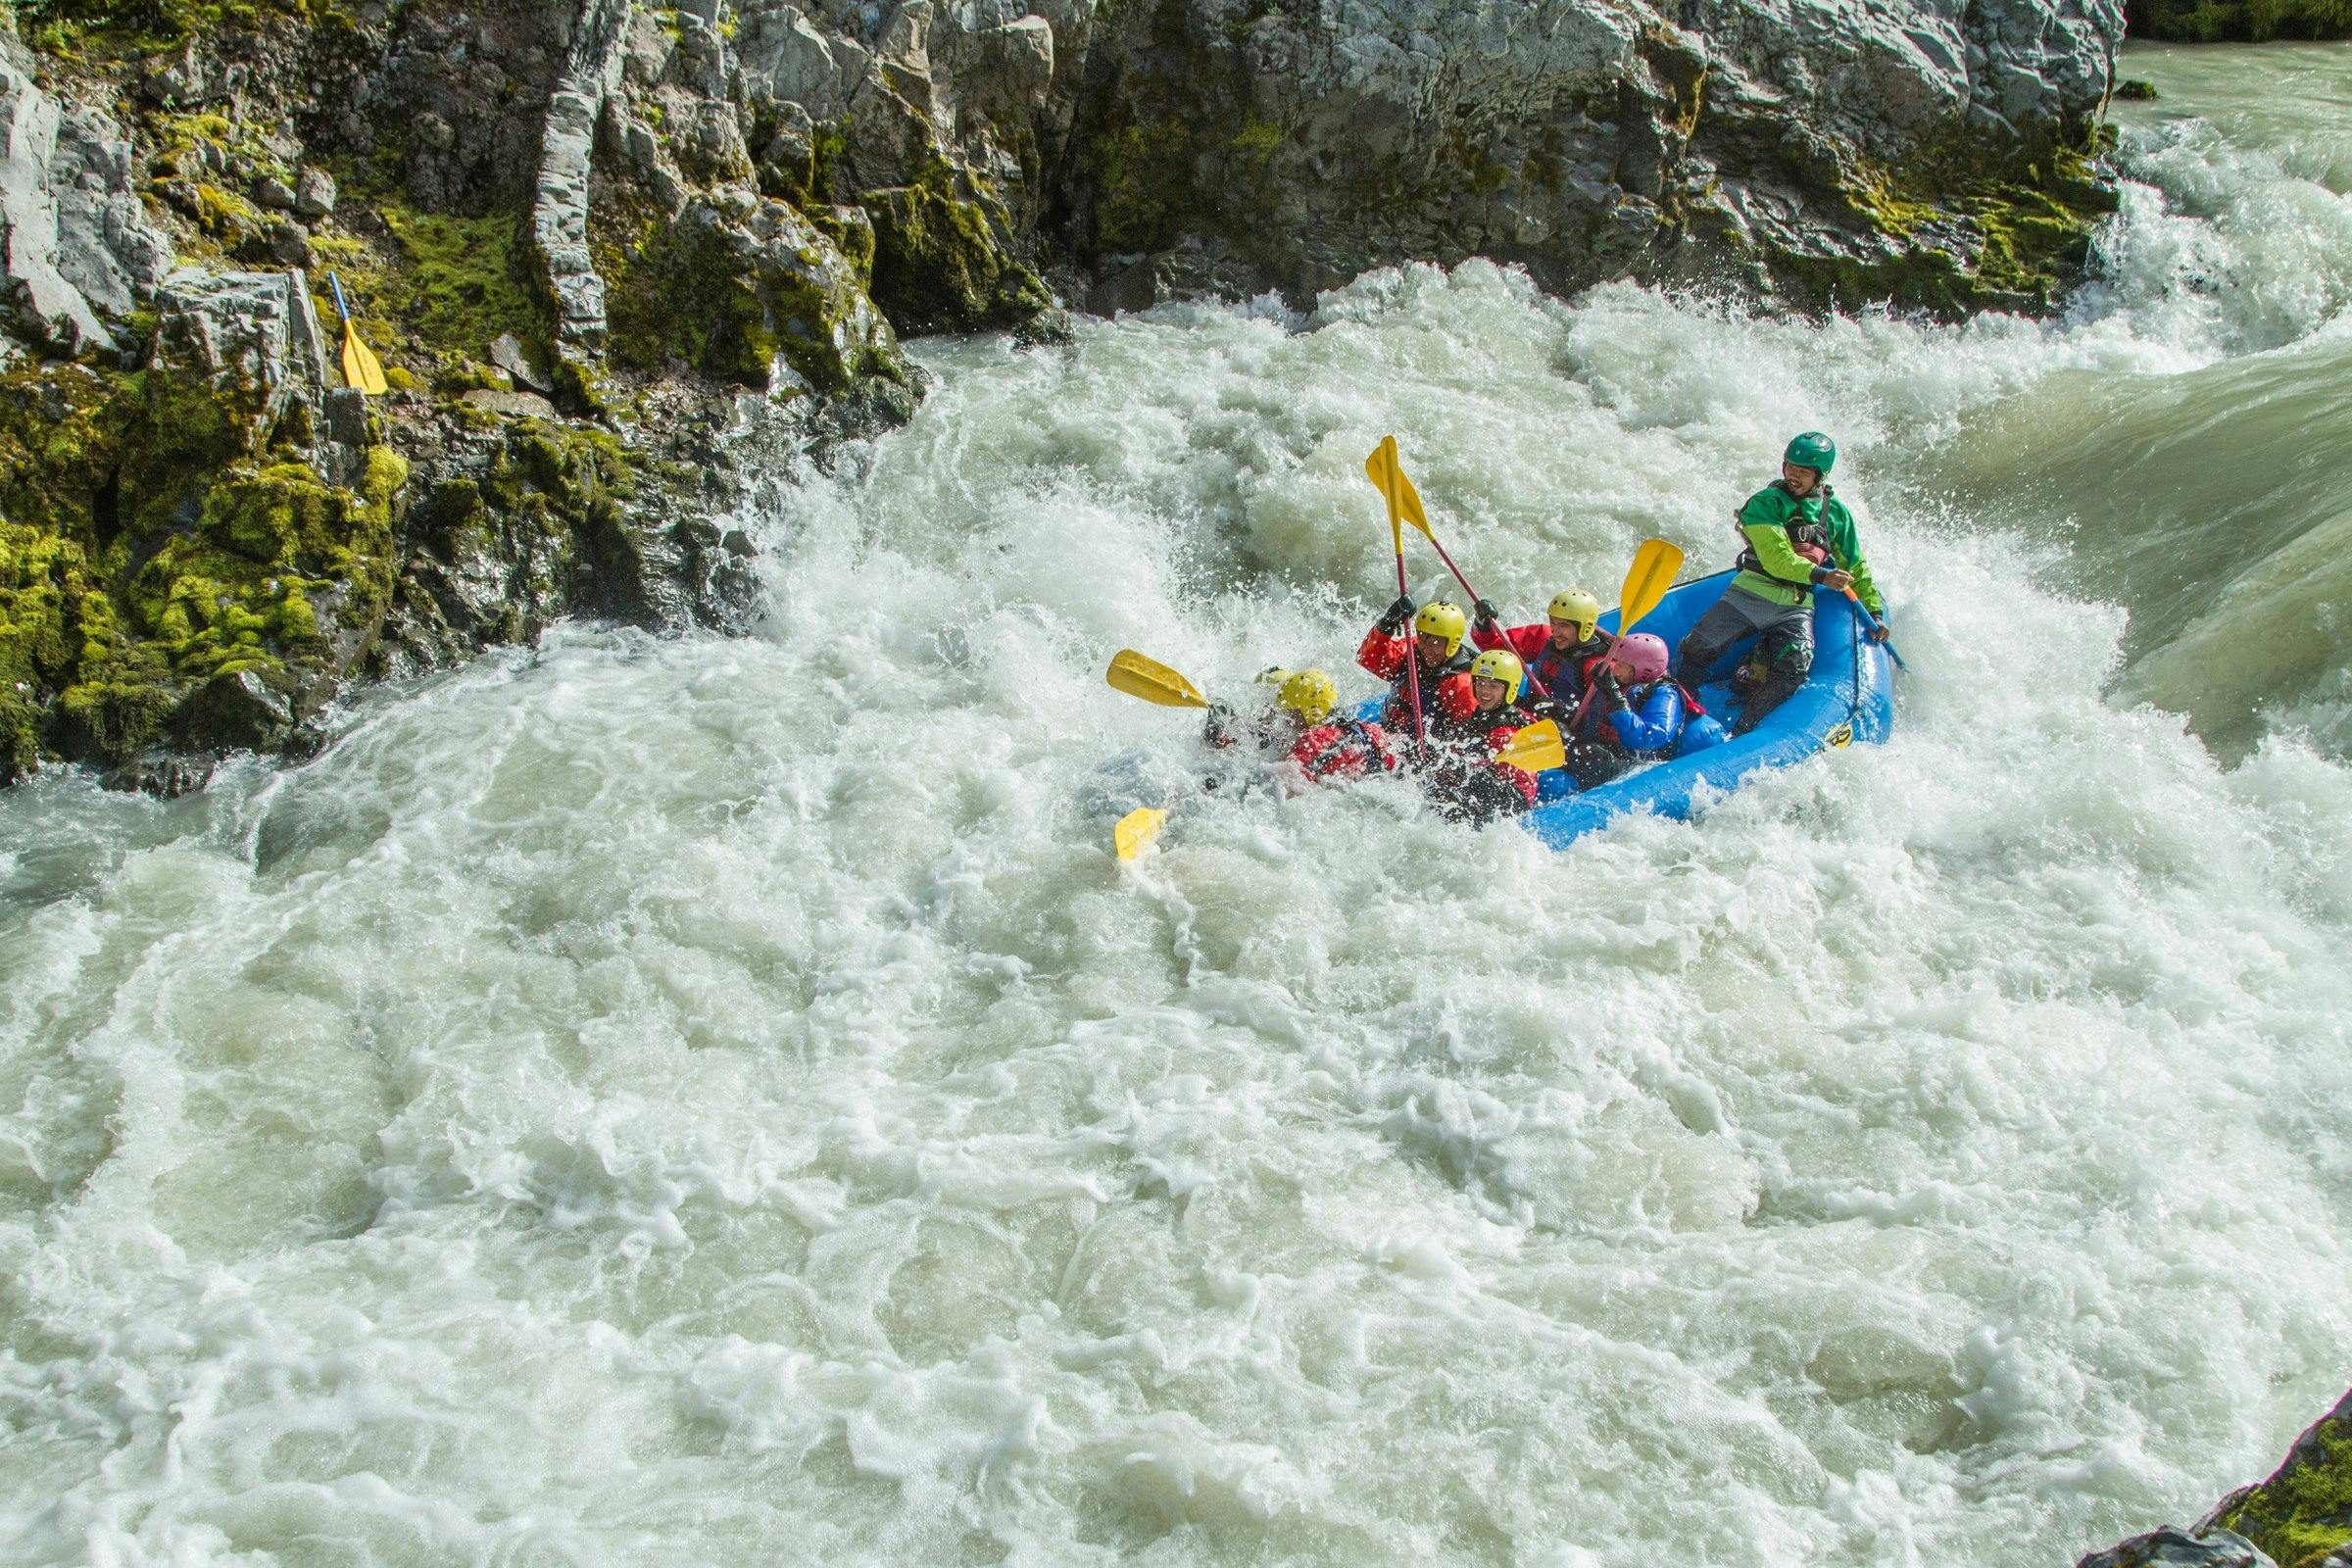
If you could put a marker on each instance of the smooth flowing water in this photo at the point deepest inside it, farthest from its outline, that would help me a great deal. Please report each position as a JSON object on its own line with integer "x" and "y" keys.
{"x": 711, "y": 1102}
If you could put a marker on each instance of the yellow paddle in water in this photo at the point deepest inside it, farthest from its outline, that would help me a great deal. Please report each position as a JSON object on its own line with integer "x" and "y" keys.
{"x": 1154, "y": 682}
{"x": 1136, "y": 831}
{"x": 1536, "y": 747}
{"x": 1131, "y": 672}
{"x": 359, "y": 368}
{"x": 1646, "y": 583}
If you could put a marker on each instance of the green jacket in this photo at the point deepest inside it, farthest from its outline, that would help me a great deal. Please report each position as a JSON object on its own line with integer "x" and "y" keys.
{"x": 1764, "y": 524}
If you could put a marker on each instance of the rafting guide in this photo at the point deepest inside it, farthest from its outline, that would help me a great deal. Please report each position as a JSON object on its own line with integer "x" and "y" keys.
{"x": 1570, "y": 721}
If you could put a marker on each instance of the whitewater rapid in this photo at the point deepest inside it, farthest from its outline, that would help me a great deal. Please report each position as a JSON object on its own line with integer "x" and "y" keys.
{"x": 718, "y": 1102}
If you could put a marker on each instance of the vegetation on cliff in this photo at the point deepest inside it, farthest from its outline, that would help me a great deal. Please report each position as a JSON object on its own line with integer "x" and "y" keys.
{"x": 2303, "y": 1512}
{"x": 2239, "y": 21}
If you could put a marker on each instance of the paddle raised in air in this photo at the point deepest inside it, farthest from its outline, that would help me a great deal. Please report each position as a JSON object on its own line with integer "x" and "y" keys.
{"x": 1387, "y": 473}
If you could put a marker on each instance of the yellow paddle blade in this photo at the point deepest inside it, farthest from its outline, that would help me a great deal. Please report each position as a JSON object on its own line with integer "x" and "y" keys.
{"x": 1136, "y": 831}
{"x": 1387, "y": 473}
{"x": 359, "y": 368}
{"x": 1536, "y": 747}
{"x": 1131, "y": 672}
{"x": 1651, "y": 575}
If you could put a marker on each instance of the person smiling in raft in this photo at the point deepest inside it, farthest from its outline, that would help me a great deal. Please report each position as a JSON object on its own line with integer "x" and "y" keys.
{"x": 1799, "y": 536}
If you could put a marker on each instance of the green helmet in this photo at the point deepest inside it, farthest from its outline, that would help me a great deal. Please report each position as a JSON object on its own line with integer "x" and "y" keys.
{"x": 1813, "y": 450}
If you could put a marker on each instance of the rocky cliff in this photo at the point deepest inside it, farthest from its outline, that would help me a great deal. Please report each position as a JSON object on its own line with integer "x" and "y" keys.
{"x": 604, "y": 249}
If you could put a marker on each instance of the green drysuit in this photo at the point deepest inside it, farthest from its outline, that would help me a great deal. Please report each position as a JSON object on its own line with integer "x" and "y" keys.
{"x": 1765, "y": 520}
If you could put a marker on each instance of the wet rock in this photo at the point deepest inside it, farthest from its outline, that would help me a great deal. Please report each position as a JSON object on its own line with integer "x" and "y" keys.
{"x": 1052, "y": 328}
{"x": 2177, "y": 1548}
{"x": 2304, "y": 1508}
{"x": 1131, "y": 285}
{"x": 735, "y": 542}
{"x": 1802, "y": 151}
{"x": 165, "y": 773}
{"x": 236, "y": 711}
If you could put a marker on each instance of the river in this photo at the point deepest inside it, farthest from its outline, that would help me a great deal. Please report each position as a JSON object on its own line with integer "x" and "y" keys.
{"x": 703, "y": 1103}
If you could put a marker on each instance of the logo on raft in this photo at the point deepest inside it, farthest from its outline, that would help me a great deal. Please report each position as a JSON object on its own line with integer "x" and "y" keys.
{"x": 1843, "y": 735}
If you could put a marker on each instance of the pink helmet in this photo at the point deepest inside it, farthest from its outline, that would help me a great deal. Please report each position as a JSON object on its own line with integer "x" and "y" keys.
{"x": 1644, "y": 654}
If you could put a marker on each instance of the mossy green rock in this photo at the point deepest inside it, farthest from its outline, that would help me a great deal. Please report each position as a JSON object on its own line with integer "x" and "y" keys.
{"x": 729, "y": 286}
{"x": 939, "y": 264}
{"x": 144, "y": 553}
{"x": 2304, "y": 1511}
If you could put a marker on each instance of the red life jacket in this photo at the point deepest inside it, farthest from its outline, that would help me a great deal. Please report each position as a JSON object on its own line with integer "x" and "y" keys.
{"x": 1343, "y": 749}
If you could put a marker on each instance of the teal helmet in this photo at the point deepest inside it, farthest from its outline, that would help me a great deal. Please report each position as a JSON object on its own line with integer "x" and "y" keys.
{"x": 1812, "y": 450}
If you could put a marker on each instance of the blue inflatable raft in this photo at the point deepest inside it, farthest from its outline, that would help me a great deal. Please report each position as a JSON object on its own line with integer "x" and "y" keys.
{"x": 1848, "y": 697}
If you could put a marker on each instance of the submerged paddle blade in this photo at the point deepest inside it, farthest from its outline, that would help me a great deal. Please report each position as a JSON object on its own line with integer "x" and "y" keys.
{"x": 1137, "y": 829}
{"x": 1536, "y": 747}
{"x": 1646, "y": 582}
{"x": 1131, "y": 672}
{"x": 359, "y": 368}
{"x": 1386, "y": 469}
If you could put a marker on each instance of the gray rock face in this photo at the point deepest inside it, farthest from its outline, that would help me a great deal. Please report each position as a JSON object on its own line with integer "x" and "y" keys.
{"x": 1722, "y": 137}
{"x": 253, "y": 336}
{"x": 315, "y": 194}
{"x": 76, "y": 246}
{"x": 560, "y": 208}
{"x": 2177, "y": 1548}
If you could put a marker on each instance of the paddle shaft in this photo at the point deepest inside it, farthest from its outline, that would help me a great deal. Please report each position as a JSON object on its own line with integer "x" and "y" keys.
{"x": 1542, "y": 691}
{"x": 1871, "y": 622}
{"x": 341, "y": 308}
{"x": 1412, "y": 652}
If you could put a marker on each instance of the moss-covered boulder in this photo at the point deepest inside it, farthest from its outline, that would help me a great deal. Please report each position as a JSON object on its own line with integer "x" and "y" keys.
{"x": 738, "y": 281}
{"x": 146, "y": 548}
{"x": 941, "y": 263}
{"x": 2302, "y": 1515}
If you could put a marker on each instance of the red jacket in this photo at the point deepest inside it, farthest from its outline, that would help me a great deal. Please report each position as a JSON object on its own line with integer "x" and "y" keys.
{"x": 1563, "y": 677}
{"x": 1343, "y": 749}
{"x": 1474, "y": 738}
{"x": 1384, "y": 656}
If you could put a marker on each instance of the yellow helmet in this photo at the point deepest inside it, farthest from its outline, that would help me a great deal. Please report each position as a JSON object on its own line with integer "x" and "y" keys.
{"x": 1308, "y": 692}
{"x": 1441, "y": 619}
{"x": 1500, "y": 663}
{"x": 1576, "y": 604}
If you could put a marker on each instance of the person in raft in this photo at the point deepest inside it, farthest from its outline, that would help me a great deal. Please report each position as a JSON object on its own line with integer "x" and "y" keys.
{"x": 1435, "y": 649}
{"x": 1799, "y": 537}
{"x": 1652, "y": 716}
{"x": 1300, "y": 728}
{"x": 1561, "y": 652}
{"x": 1477, "y": 715}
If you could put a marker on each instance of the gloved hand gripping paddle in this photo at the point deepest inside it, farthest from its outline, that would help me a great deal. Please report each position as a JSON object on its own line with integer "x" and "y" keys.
{"x": 1876, "y": 627}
